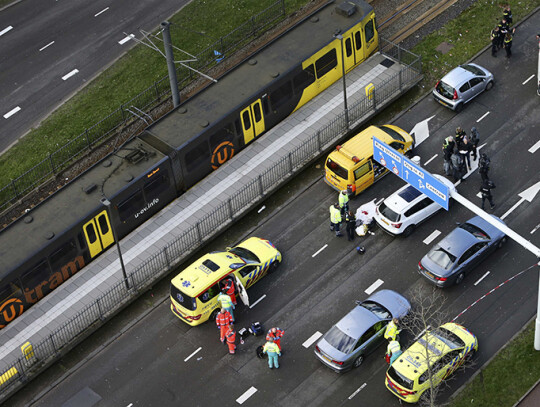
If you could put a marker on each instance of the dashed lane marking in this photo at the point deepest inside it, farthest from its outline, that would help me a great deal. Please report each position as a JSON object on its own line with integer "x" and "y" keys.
{"x": 250, "y": 392}
{"x": 193, "y": 354}
{"x": 535, "y": 229}
{"x": 357, "y": 391}
{"x": 480, "y": 119}
{"x": 69, "y": 75}
{"x": 422, "y": 333}
{"x": 258, "y": 301}
{"x": 528, "y": 79}
{"x": 320, "y": 250}
{"x": 431, "y": 159}
{"x": 262, "y": 209}
{"x": 535, "y": 147}
{"x": 11, "y": 112}
{"x": 374, "y": 286}
{"x": 481, "y": 278}
{"x": 5, "y": 30}
{"x": 126, "y": 39}
{"x": 102, "y": 11}
{"x": 311, "y": 340}
{"x": 48, "y": 45}
{"x": 432, "y": 237}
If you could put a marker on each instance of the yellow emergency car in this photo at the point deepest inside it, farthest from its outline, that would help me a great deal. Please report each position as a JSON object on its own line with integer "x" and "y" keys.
{"x": 446, "y": 349}
{"x": 352, "y": 167}
{"x": 194, "y": 291}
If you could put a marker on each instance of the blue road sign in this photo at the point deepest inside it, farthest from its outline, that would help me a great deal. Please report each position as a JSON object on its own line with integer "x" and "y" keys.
{"x": 411, "y": 173}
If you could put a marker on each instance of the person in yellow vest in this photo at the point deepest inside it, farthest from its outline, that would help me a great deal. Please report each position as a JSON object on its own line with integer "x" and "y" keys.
{"x": 335, "y": 219}
{"x": 392, "y": 330}
{"x": 393, "y": 350}
{"x": 272, "y": 350}
{"x": 226, "y": 303}
{"x": 344, "y": 202}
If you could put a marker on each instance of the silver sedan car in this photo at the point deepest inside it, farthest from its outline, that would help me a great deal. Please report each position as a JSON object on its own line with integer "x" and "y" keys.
{"x": 461, "y": 251}
{"x": 461, "y": 85}
{"x": 361, "y": 331}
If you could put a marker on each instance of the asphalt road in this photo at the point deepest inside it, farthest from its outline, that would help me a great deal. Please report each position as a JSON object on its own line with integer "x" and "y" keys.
{"x": 154, "y": 362}
{"x": 50, "y": 48}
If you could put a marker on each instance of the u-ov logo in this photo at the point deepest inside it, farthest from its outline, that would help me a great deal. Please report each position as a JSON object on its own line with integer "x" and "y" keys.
{"x": 222, "y": 153}
{"x": 10, "y": 310}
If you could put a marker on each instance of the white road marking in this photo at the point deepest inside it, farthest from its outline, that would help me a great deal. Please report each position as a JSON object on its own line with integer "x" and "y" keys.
{"x": 258, "y": 301}
{"x": 193, "y": 354}
{"x": 478, "y": 121}
{"x": 262, "y": 209}
{"x": 126, "y": 39}
{"x": 69, "y": 75}
{"x": 527, "y": 195}
{"x": 5, "y": 30}
{"x": 102, "y": 11}
{"x": 312, "y": 339}
{"x": 431, "y": 159}
{"x": 479, "y": 195}
{"x": 422, "y": 333}
{"x": 130, "y": 405}
{"x": 320, "y": 250}
{"x": 48, "y": 45}
{"x": 535, "y": 229}
{"x": 530, "y": 77}
{"x": 252, "y": 390}
{"x": 12, "y": 112}
{"x": 357, "y": 391}
{"x": 432, "y": 237}
{"x": 535, "y": 147}
{"x": 481, "y": 278}
{"x": 374, "y": 286}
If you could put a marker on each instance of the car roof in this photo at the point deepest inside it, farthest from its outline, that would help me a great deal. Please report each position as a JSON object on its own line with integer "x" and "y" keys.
{"x": 403, "y": 198}
{"x": 357, "y": 321}
{"x": 457, "y": 76}
{"x": 397, "y": 304}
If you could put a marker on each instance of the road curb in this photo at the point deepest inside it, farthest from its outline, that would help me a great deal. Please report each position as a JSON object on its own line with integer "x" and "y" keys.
{"x": 9, "y": 5}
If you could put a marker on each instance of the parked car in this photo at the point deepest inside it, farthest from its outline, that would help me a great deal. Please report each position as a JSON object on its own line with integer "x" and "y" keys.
{"x": 401, "y": 212}
{"x": 461, "y": 251}
{"x": 445, "y": 348}
{"x": 361, "y": 331}
{"x": 461, "y": 85}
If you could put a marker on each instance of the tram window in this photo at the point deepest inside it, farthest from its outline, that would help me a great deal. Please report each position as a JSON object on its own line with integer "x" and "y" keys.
{"x": 257, "y": 112}
{"x": 326, "y": 63}
{"x": 130, "y": 206}
{"x": 369, "y": 30}
{"x": 5, "y": 293}
{"x": 63, "y": 255}
{"x": 358, "y": 40}
{"x": 91, "y": 232}
{"x": 39, "y": 274}
{"x": 197, "y": 155}
{"x": 265, "y": 106}
{"x": 155, "y": 187}
{"x": 348, "y": 47}
{"x": 224, "y": 134}
{"x": 246, "y": 118}
{"x": 103, "y": 224}
{"x": 304, "y": 79}
{"x": 237, "y": 126}
{"x": 80, "y": 239}
{"x": 281, "y": 95}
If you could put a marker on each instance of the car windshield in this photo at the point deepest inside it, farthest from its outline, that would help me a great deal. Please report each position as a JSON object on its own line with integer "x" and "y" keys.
{"x": 474, "y": 70}
{"x": 449, "y": 338}
{"x": 339, "y": 340}
{"x": 400, "y": 379}
{"x": 388, "y": 213}
{"x": 445, "y": 90}
{"x": 377, "y": 309}
{"x": 245, "y": 254}
{"x": 475, "y": 231}
{"x": 337, "y": 169}
{"x": 441, "y": 257}
{"x": 392, "y": 133}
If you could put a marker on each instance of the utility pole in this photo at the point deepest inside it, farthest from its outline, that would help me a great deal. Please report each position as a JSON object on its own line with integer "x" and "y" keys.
{"x": 170, "y": 63}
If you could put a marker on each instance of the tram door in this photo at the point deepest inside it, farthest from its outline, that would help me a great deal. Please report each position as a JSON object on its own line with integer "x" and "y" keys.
{"x": 353, "y": 52}
{"x": 252, "y": 121}
{"x": 98, "y": 233}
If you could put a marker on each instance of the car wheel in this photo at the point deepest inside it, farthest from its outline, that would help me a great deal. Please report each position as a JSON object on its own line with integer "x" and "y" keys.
{"x": 459, "y": 107}
{"x": 460, "y": 278}
{"x": 214, "y": 314}
{"x": 501, "y": 242}
{"x": 273, "y": 267}
{"x": 489, "y": 85}
{"x": 408, "y": 230}
{"x": 470, "y": 355}
{"x": 358, "y": 361}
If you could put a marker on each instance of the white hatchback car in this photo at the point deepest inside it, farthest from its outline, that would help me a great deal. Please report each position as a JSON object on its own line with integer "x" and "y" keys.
{"x": 401, "y": 212}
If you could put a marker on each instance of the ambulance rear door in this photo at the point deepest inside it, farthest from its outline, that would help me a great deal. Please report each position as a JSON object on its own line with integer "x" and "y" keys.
{"x": 242, "y": 293}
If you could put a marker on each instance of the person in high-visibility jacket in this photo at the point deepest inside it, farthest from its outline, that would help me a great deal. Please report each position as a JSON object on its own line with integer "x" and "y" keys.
{"x": 231, "y": 339}
{"x": 272, "y": 350}
{"x": 223, "y": 320}
{"x": 344, "y": 202}
{"x": 275, "y": 334}
{"x": 335, "y": 219}
{"x": 393, "y": 350}
{"x": 228, "y": 288}
{"x": 226, "y": 303}
{"x": 392, "y": 330}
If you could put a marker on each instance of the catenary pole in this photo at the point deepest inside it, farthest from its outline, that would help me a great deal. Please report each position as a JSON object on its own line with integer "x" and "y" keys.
{"x": 170, "y": 63}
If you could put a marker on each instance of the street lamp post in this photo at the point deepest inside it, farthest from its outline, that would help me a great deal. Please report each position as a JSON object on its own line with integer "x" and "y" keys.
{"x": 107, "y": 204}
{"x": 340, "y": 37}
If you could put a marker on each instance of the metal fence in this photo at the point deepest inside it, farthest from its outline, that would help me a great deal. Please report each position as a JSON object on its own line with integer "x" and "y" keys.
{"x": 152, "y": 96}
{"x": 161, "y": 263}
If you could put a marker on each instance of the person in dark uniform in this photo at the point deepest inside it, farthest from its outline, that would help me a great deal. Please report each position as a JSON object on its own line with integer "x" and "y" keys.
{"x": 508, "y": 44}
{"x": 503, "y": 29}
{"x": 483, "y": 167}
{"x": 507, "y": 14}
{"x": 495, "y": 39}
{"x": 457, "y": 164}
{"x": 351, "y": 225}
{"x": 485, "y": 190}
{"x": 475, "y": 140}
{"x": 448, "y": 148}
{"x": 460, "y": 133}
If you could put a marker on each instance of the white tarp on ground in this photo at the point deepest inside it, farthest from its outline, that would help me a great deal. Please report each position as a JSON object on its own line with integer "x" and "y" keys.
{"x": 364, "y": 216}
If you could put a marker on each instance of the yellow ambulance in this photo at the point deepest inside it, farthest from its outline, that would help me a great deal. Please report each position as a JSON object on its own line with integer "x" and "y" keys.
{"x": 194, "y": 290}
{"x": 352, "y": 167}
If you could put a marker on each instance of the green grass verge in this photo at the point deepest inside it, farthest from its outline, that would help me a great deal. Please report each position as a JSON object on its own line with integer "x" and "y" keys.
{"x": 507, "y": 378}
